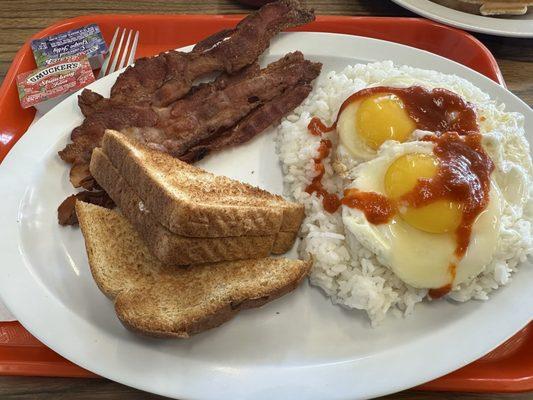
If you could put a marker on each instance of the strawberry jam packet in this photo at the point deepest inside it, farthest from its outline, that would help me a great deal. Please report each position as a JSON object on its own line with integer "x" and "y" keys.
{"x": 66, "y": 75}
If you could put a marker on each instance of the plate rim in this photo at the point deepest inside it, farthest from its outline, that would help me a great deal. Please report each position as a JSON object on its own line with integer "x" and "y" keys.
{"x": 12, "y": 304}
{"x": 463, "y": 20}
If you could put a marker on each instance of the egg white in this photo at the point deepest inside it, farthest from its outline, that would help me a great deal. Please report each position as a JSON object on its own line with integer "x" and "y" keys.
{"x": 418, "y": 258}
{"x": 347, "y": 129}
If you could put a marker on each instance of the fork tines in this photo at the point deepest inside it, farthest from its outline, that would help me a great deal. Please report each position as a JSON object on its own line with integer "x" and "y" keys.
{"x": 126, "y": 51}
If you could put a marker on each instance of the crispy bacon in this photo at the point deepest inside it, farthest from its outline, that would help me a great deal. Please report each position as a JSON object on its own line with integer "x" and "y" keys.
{"x": 66, "y": 212}
{"x": 91, "y": 102}
{"x": 251, "y": 125}
{"x": 88, "y": 135}
{"x": 80, "y": 176}
{"x": 155, "y": 102}
{"x": 209, "y": 110}
{"x": 163, "y": 79}
{"x": 192, "y": 121}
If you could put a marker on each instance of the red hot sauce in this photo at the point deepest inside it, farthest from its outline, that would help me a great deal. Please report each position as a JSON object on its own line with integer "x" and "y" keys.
{"x": 463, "y": 176}
{"x": 443, "y": 291}
{"x": 330, "y": 201}
{"x": 378, "y": 209}
{"x": 316, "y": 127}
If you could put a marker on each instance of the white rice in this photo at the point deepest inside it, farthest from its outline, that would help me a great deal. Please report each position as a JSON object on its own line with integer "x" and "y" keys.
{"x": 360, "y": 281}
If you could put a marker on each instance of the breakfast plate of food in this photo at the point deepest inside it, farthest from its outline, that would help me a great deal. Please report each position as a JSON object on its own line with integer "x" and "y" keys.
{"x": 513, "y": 18}
{"x": 274, "y": 214}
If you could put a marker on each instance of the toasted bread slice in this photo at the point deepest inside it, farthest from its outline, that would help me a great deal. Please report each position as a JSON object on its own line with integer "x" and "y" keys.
{"x": 192, "y": 202}
{"x": 169, "y": 247}
{"x": 154, "y": 299}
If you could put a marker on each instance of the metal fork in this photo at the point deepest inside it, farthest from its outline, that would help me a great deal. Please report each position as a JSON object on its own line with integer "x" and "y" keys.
{"x": 124, "y": 50}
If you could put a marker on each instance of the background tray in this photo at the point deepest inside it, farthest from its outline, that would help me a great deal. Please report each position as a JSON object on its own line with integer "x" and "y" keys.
{"x": 508, "y": 368}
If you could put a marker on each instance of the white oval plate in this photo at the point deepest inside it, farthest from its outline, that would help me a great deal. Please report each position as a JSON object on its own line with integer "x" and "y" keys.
{"x": 300, "y": 346}
{"x": 513, "y": 26}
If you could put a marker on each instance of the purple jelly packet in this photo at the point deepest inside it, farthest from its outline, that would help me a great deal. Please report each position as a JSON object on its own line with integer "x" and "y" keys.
{"x": 86, "y": 40}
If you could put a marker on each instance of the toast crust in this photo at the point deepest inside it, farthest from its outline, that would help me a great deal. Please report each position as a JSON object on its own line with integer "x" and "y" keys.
{"x": 283, "y": 242}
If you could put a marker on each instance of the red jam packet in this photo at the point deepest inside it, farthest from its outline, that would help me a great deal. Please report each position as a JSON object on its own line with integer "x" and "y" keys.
{"x": 64, "y": 76}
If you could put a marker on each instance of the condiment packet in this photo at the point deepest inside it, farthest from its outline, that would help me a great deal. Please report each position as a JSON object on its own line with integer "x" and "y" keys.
{"x": 87, "y": 39}
{"x": 61, "y": 78}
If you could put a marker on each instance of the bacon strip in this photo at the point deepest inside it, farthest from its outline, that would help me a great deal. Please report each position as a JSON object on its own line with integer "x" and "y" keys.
{"x": 163, "y": 79}
{"x": 66, "y": 212}
{"x": 254, "y": 123}
{"x": 209, "y": 110}
{"x": 194, "y": 120}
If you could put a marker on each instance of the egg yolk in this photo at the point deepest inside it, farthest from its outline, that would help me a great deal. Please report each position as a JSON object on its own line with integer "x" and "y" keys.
{"x": 383, "y": 117}
{"x": 440, "y": 216}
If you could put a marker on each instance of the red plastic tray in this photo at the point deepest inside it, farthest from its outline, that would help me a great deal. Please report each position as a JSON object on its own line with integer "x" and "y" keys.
{"x": 508, "y": 368}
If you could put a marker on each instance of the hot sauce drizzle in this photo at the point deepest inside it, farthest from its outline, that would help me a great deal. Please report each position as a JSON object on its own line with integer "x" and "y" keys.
{"x": 317, "y": 127}
{"x": 444, "y": 290}
{"x": 378, "y": 209}
{"x": 440, "y": 292}
{"x": 463, "y": 175}
{"x": 330, "y": 201}
{"x": 464, "y": 167}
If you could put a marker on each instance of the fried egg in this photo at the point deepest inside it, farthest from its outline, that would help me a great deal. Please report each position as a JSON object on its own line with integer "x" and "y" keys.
{"x": 366, "y": 123}
{"x": 418, "y": 244}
